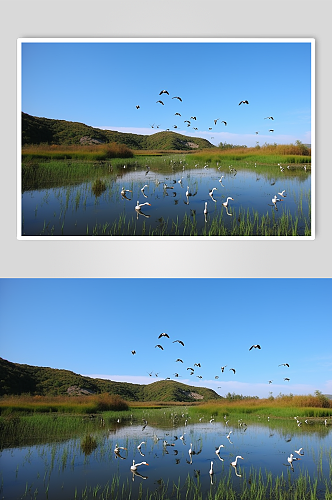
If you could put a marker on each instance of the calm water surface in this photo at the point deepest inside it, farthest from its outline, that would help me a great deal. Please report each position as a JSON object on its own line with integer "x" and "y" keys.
{"x": 78, "y": 210}
{"x": 58, "y": 470}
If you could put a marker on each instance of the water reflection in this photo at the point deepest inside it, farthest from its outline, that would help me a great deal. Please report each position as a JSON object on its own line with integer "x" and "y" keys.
{"x": 81, "y": 209}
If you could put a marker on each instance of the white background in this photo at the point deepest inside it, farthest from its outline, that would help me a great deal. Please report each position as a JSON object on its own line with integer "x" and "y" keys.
{"x": 156, "y": 18}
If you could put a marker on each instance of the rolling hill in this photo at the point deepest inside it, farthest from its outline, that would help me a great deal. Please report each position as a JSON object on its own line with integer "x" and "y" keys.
{"x": 37, "y": 130}
{"x": 17, "y": 379}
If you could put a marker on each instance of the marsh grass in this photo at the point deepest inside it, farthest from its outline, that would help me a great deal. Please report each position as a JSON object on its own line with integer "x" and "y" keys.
{"x": 61, "y": 404}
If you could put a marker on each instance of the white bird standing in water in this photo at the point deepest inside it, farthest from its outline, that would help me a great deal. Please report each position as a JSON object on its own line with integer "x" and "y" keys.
{"x": 291, "y": 458}
{"x": 299, "y": 451}
{"x": 225, "y": 203}
{"x": 205, "y": 209}
{"x": 134, "y": 466}
{"x": 124, "y": 191}
{"x": 142, "y": 189}
{"x": 211, "y": 193}
{"x": 140, "y": 205}
{"x": 118, "y": 448}
{"x": 282, "y": 193}
{"x": 218, "y": 452}
{"x": 234, "y": 464}
{"x": 211, "y": 469}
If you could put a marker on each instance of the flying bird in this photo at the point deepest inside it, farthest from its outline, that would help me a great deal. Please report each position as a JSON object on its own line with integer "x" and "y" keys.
{"x": 180, "y": 360}
{"x": 177, "y": 114}
{"x": 193, "y": 118}
{"x": 215, "y": 121}
{"x": 137, "y": 107}
{"x": 133, "y": 352}
{"x": 223, "y": 368}
{"x": 160, "y": 346}
{"x": 163, "y": 335}
{"x": 256, "y": 346}
{"x": 164, "y": 92}
{"x": 232, "y": 369}
{"x": 284, "y": 364}
{"x": 180, "y": 342}
{"x": 161, "y": 102}
{"x": 197, "y": 364}
{"x": 271, "y": 130}
{"x": 270, "y": 117}
{"x": 223, "y": 121}
{"x": 288, "y": 379}
{"x": 176, "y": 97}
{"x": 244, "y": 102}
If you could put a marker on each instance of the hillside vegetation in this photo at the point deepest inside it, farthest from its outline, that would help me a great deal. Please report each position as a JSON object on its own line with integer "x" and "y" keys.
{"x": 17, "y": 379}
{"x": 37, "y": 130}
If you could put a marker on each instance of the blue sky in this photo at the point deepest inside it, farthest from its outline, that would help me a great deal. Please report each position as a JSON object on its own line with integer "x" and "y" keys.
{"x": 100, "y": 84}
{"x": 90, "y": 326}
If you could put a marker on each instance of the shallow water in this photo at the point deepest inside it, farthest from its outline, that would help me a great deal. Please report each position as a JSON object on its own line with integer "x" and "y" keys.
{"x": 58, "y": 470}
{"x": 76, "y": 210}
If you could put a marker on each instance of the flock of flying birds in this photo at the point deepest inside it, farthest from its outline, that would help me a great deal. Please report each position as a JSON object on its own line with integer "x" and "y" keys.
{"x": 191, "y": 369}
{"x": 192, "y": 119}
{"x": 275, "y": 200}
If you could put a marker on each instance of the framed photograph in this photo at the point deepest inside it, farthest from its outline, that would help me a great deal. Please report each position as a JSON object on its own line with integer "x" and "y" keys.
{"x": 167, "y": 139}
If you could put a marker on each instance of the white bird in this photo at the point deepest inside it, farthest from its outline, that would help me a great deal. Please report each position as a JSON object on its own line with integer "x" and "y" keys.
{"x": 275, "y": 200}
{"x": 190, "y": 451}
{"x": 211, "y": 194}
{"x": 124, "y": 191}
{"x": 218, "y": 451}
{"x": 221, "y": 178}
{"x": 142, "y": 189}
{"x": 291, "y": 458}
{"x": 134, "y": 466}
{"x": 140, "y": 445}
{"x": 140, "y": 205}
{"x": 211, "y": 469}
{"x": 205, "y": 209}
{"x": 225, "y": 203}
{"x": 118, "y": 448}
{"x": 188, "y": 193}
{"x": 299, "y": 451}
{"x": 282, "y": 193}
{"x": 234, "y": 464}
{"x": 229, "y": 434}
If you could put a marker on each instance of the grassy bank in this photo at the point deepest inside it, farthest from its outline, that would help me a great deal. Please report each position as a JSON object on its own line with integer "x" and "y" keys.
{"x": 61, "y": 404}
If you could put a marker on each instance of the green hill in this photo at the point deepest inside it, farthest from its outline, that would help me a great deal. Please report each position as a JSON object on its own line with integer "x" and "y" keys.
{"x": 17, "y": 379}
{"x": 37, "y": 130}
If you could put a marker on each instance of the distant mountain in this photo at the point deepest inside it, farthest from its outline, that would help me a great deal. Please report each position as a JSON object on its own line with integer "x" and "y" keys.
{"x": 37, "y": 130}
{"x": 17, "y": 379}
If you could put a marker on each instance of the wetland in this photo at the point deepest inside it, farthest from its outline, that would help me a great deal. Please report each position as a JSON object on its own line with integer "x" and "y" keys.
{"x": 71, "y": 198}
{"x": 73, "y": 456}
